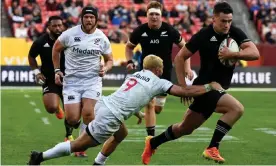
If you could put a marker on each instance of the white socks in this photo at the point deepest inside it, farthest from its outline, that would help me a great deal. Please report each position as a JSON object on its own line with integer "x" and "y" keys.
{"x": 82, "y": 128}
{"x": 61, "y": 149}
{"x": 100, "y": 159}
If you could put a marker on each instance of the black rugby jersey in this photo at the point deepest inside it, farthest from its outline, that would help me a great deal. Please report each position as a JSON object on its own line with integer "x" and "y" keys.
{"x": 207, "y": 42}
{"x": 156, "y": 41}
{"x": 43, "y": 47}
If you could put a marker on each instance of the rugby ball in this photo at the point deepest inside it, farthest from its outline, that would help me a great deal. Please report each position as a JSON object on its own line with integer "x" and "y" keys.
{"x": 233, "y": 47}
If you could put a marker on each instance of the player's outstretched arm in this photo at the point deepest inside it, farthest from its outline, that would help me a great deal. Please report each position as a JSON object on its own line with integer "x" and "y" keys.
{"x": 195, "y": 90}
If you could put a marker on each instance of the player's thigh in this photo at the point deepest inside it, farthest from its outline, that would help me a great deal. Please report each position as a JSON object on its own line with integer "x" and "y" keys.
{"x": 51, "y": 101}
{"x": 90, "y": 96}
{"x": 228, "y": 103}
{"x": 206, "y": 104}
{"x": 88, "y": 106}
{"x": 104, "y": 125}
{"x": 51, "y": 96}
{"x": 83, "y": 142}
{"x": 121, "y": 134}
{"x": 72, "y": 112}
{"x": 72, "y": 104}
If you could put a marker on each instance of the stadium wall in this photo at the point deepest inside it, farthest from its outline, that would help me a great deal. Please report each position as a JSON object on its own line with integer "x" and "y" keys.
{"x": 16, "y": 72}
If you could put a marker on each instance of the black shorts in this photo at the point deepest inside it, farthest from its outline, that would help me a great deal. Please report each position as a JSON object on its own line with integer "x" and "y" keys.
{"x": 51, "y": 87}
{"x": 206, "y": 104}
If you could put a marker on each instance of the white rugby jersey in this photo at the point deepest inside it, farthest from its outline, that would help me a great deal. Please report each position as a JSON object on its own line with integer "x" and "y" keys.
{"x": 83, "y": 54}
{"x": 136, "y": 92}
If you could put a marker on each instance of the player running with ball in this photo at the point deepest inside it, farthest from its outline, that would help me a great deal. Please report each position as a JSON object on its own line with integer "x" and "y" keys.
{"x": 111, "y": 111}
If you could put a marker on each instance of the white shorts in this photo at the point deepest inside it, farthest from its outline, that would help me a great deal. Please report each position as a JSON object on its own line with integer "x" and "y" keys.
{"x": 105, "y": 123}
{"x": 74, "y": 93}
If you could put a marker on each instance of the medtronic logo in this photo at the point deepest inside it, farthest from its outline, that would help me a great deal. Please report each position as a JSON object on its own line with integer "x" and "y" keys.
{"x": 77, "y": 39}
{"x": 86, "y": 51}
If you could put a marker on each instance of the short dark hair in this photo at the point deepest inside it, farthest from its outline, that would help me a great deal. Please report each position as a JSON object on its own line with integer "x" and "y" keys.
{"x": 53, "y": 18}
{"x": 222, "y": 7}
{"x": 155, "y": 4}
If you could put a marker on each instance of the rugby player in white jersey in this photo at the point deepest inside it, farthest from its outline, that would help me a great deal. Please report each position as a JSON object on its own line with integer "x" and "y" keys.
{"x": 111, "y": 111}
{"x": 83, "y": 46}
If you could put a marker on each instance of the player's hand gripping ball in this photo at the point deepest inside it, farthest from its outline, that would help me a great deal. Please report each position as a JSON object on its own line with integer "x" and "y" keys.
{"x": 227, "y": 46}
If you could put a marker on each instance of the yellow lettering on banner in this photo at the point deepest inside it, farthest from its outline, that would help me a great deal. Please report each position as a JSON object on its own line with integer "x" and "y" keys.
{"x": 15, "y": 52}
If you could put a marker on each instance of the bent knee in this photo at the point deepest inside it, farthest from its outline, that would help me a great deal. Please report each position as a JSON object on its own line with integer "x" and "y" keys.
{"x": 158, "y": 109}
{"x": 72, "y": 121}
{"x": 51, "y": 109}
{"x": 239, "y": 109}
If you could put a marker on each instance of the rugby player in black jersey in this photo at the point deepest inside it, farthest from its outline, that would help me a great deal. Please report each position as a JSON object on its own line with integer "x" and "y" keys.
{"x": 45, "y": 76}
{"x": 155, "y": 37}
{"x": 207, "y": 41}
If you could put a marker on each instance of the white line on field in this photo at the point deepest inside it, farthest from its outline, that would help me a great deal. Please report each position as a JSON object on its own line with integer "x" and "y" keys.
{"x": 32, "y": 103}
{"x": 45, "y": 120}
{"x": 26, "y": 96}
{"x": 269, "y": 131}
{"x": 37, "y": 110}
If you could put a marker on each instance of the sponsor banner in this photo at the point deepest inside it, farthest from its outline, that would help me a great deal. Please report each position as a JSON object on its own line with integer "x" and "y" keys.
{"x": 15, "y": 52}
{"x": 261, "y": 77}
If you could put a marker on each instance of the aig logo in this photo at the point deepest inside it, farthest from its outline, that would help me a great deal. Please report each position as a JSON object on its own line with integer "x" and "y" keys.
{"x": 154, "y": 41}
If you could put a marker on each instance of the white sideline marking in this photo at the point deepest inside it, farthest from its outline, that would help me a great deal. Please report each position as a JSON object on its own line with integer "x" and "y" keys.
{"x": 26, "y": 96}
{"x": 32, "y": 103}
{"x": 269, "y": 131}
{"x": 115, "y": 88}
{"x": 45, "y": 120}
{"x": 37, "y": 110}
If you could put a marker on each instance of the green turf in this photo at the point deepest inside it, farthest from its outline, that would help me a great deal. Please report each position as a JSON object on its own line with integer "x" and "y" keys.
{"x": 23, "y": 131}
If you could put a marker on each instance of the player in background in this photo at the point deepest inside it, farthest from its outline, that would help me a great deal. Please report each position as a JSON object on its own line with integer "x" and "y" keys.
{"x": 111, "y": 111}
{"x": 43, "y": 46}
{"x": 83, "y": 46}
{"x": 155, "y": 37}
{"x": 207, "y": 41}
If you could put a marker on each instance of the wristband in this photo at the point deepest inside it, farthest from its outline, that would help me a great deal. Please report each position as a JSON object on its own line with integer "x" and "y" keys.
{"x": 130, "y": 61}
{"x": 36, "y": 71}
{"x": 207, "y": 87}
{"x": 57, "y": 70}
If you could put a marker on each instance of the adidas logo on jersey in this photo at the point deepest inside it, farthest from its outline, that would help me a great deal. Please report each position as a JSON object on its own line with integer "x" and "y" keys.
{"x": 46, "y": 45}
{"x": 164, "y": 33}
{"x": 213, "y": 39}
{"x": 144, "y": 34}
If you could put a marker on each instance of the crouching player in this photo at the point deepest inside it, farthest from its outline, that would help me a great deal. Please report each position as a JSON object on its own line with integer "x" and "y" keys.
{"x": 111, "y": 111}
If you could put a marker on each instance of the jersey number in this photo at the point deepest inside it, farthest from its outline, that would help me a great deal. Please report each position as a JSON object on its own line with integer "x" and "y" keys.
{"x": 131, "y": 83}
